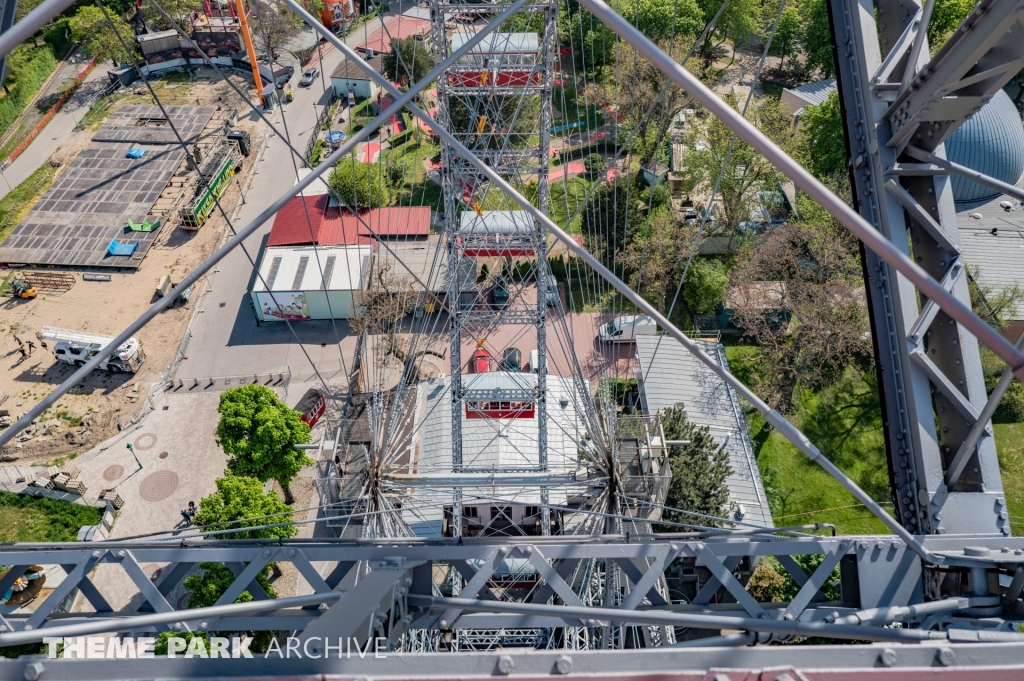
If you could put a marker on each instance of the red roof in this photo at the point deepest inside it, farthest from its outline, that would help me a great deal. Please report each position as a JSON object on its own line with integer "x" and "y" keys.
{"x": 411, "y": 221}
{"x": 397, "y": 27}
{"x": 328, "y": 226}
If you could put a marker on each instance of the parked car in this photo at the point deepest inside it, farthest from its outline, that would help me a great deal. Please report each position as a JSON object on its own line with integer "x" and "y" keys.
{"x": 512, "y": 360}
{"x": 626, "y": 328}
{"x": 308, "y": 77}
{"x": 551, "y": 290}
{"x": 480, "y": 361}
{"x": 499, "y": 293}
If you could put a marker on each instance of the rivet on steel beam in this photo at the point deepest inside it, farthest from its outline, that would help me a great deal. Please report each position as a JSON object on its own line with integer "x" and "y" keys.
{"x": 887, "y": 657}
{"x": 945, "y": 656}
{"x": 506, "y": 664}
{"x": 563, "y": 664}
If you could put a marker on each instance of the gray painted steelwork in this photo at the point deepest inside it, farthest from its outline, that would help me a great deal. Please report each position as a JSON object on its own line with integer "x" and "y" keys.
{"x": 928, "y": 364}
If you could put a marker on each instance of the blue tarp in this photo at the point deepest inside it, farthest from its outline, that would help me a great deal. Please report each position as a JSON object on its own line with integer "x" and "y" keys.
{"x": 136, "y": 152}
{"x": 118, "y": 248}
{"x": 335, "y": 136}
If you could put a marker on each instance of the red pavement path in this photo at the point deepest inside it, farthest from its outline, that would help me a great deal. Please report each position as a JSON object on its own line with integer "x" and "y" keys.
{"x": 569, "y": 169}
{"x": 370, "y": 151}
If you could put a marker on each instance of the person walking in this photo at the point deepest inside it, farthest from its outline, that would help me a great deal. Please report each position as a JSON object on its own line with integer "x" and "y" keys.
{"x": 18, "y": 340}
{"x": 31, "y": 346}
{"x": 22, "y": 351}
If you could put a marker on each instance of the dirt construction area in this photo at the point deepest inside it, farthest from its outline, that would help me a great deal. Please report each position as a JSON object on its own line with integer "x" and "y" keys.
{"x": 98, "y": 407}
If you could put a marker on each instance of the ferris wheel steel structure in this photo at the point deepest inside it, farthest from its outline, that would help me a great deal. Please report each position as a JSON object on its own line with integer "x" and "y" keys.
{"x": 896, "y": 117}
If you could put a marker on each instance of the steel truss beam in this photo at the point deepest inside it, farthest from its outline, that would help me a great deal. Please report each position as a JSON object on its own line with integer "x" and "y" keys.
{"x": 929, "y": 365}
{"x": 877, "y": 572}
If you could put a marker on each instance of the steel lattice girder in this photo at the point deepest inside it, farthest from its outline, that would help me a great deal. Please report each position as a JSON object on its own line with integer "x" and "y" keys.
{"x": 929, "y": 366}
{"x": 875, "y": 572}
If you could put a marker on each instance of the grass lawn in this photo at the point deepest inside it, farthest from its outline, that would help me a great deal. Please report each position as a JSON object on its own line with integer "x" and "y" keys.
{"x": 17, "y": 203}
{"x": 1010, "y": 444}
{"x": 40, "y": 519}
{"x": 566, "y": 197}
{"x": 844, "y": 421}
{"x": 417, "y": 189}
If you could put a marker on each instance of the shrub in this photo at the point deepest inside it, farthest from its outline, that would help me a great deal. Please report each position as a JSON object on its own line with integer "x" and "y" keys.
{"x": 359, "y": 185}
{"x": 30, "y": 67}
{"x": 594, "y": 163}
{"x": 58, "y": 37}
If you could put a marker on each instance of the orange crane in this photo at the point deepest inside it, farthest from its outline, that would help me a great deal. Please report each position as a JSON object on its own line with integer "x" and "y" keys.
{"x": 247, "y": 37}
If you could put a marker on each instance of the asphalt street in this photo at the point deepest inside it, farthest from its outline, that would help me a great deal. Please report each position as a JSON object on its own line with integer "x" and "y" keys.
{"x": 226, "y": 340}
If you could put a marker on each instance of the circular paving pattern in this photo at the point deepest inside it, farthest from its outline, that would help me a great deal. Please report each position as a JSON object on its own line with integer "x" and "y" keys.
{"x": 114, "y": 472}
{"x": 158, "y": 486}
{"x": 163, "y": 455}
{"x": 145, "y": 441}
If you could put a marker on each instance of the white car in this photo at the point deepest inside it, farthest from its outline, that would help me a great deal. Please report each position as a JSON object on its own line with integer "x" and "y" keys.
{"x": 308, "y": 77}
{"x": 626, "y": 328}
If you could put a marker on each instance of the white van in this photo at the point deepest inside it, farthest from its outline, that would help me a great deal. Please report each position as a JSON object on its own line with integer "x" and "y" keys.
{"x": 626, "y": 328}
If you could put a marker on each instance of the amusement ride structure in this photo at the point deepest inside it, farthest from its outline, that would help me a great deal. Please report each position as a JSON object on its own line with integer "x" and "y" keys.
{"x": 480, "y": 502}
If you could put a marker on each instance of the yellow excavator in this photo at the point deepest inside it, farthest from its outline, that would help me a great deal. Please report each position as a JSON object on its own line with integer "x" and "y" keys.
{"x": 22, "y": 289}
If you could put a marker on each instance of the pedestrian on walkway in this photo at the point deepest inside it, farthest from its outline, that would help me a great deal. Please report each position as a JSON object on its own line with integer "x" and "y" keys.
{"x": 18, "y": 340}
{"x": 31, "y": 346}
{"x": 22, "y": 351}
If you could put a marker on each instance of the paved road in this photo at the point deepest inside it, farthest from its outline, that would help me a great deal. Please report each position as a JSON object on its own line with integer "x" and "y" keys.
{"x": 226, "y": 340}
{"x": 61, "y": 125}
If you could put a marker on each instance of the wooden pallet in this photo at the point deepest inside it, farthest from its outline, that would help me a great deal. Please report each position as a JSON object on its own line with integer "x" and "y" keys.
{"x": 50, "y": 281}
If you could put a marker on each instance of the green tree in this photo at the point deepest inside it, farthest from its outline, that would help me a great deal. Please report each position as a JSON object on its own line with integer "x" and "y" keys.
{"x": 360, "y": 185}
{"x": 207, "y": 588}
{"x": 90, "y": 28}
{"x": 593, "y": 164}
{"x": 699, "y": 470}
{"x": 238, "y": 499}
{"x": 739, "y": 20}
{"x": 946, "y": 18}
{"x": 788, "y": 34}
{"x": 705, "y": 286}
{"x": 655, "y": 255}
{"x": 409, "y": 61}
{"x": 612, "y": 215}
{"x": 259, "y": 432}
{"x": 817, "y": 38}
{"x": 822, "y": 127}
{"x": 746, "y": 173}
{"x": 161, "y": 644}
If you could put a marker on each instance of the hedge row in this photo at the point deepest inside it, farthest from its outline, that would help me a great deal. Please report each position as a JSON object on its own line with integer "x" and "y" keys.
{"x": 30, "y": 77}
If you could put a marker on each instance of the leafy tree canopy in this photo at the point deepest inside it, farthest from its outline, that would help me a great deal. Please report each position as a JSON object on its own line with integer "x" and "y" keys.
{"x": 817, "y": 38}
{"x": 409, "y": 61}
{"x": 699, "y": 470}
{"x": 822, "y": 125}
{"x": 360, "y": 185}
{"x": 90, "y": 28}
{"x": 260, "y": 432}
{"x": 208, "y": 587}
{"x": 706, "y": 285}
{"x": 946, "y": 17}
{"x": 238, "y": 499}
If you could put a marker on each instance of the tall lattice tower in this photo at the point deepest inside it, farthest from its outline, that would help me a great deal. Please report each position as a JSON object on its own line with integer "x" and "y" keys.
{"x": 497, "y": 101}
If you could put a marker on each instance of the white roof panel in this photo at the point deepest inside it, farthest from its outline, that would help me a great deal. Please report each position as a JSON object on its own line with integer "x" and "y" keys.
{"x": 672, "y": 375}
{"x": 496, "y": 222}
{"x": 499, "y": 43}
{"x": 298, "y": 268}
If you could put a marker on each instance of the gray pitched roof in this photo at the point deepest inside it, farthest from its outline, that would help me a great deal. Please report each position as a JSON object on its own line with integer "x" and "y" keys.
{"x": 670, "y": 374}
{"x": 815, "y": 93}
{"x": 999, "y": 257}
